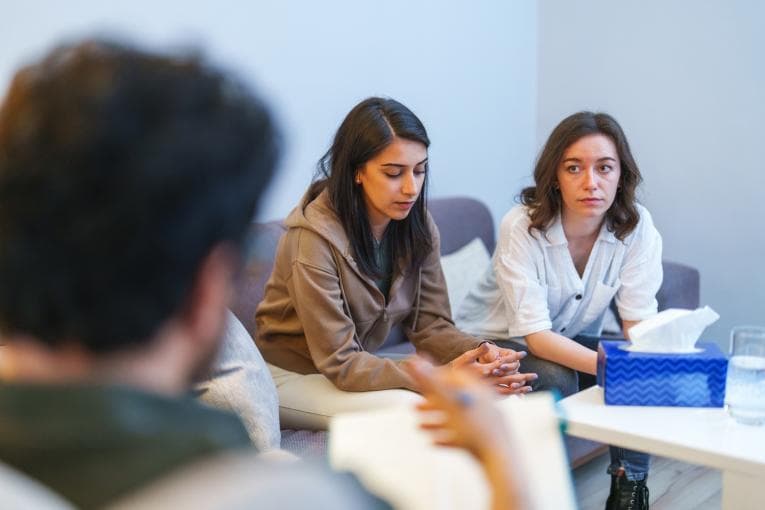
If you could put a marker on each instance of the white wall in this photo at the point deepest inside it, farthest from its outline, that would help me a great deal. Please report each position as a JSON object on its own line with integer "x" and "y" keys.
{"x": 686, "y": 80}
{"x": 467, "y": 69}
{"x": 490, "y": 79}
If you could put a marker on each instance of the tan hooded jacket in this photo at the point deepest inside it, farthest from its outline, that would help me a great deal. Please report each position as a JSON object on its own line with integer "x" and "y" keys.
{"x": 320, "y": 313}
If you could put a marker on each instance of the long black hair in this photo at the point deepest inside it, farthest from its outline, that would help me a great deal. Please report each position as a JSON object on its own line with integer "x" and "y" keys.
{"x": 366, "y": 131}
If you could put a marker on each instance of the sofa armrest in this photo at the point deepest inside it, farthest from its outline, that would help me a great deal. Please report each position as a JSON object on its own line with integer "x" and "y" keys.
{"x": 680, "y": 288}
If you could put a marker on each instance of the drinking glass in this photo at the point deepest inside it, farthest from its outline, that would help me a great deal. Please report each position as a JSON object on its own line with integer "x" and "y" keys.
{"x": 745, "y": 385}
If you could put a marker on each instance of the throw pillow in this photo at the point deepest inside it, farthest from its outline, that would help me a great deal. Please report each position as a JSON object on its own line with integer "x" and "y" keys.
{"x": 462, "y": 270}
{"x": 241, "y": 383}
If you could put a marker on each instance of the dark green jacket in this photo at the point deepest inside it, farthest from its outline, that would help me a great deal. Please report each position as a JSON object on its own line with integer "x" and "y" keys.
{"x": 94, "y": 444}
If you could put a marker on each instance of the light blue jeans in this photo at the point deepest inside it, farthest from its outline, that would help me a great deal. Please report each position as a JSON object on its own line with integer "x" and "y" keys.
{"x": 567, "y": 382}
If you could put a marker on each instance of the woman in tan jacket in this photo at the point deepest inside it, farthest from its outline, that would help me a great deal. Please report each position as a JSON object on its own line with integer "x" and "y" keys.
{"x": 360, "y": 256}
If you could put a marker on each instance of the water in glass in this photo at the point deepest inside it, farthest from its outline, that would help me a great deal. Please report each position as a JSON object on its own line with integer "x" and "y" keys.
{"x": 745, "y": 385}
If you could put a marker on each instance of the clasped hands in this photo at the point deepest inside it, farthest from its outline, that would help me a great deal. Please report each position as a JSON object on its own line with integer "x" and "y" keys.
{"x": 497, "y": 366}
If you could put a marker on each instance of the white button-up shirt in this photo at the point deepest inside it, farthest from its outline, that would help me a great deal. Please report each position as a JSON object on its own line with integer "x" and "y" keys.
{"x": 532, "y": 284}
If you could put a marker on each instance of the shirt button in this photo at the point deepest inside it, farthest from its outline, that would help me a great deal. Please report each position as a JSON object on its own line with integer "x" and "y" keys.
{"x": 562, "y": 330}
{"x": 578, "y": 297}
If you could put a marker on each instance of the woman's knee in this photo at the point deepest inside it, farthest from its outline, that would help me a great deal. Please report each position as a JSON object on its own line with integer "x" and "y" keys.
{"x": 309, "y": 401}
{"x": 552, "y": 376}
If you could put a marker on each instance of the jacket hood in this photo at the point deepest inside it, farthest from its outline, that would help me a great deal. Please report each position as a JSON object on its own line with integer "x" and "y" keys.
{"x": 317, "y": 215}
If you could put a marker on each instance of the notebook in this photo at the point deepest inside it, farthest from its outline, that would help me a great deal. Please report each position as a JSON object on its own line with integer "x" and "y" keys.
{"x": 396, "y": 460}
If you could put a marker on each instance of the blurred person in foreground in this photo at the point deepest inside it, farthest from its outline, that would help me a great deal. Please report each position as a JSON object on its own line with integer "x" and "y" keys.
{"x": 459, "y": 411}
{"x": 127, "y": 181}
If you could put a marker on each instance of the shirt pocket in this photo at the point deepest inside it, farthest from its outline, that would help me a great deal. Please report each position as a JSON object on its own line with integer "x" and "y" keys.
{"x": 602, "y": 295}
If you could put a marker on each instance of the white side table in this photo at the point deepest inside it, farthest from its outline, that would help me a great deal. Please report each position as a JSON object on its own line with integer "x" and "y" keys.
{"x": 705, "y": 436}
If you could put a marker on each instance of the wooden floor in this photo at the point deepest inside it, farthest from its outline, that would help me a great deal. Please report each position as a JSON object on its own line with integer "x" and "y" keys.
{"x": 674, "y": 485}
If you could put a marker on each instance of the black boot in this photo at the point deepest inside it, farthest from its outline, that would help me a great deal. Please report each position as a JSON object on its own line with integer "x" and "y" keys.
{"x": 627, "y": 495}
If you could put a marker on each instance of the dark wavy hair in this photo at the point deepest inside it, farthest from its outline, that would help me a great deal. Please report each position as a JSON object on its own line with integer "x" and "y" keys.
{"x": 120, "y": 170}
{"x": 544, "y": 200}
{"x": 366, "y": 131}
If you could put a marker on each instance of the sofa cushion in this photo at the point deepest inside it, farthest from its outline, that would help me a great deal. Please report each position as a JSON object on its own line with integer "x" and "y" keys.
{"x": 462, "y": 270}
{"x": 306, "y": 444}
{"x": 241, "y": 383}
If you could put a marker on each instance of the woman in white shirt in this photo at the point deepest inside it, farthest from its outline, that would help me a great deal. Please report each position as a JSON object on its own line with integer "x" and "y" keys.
{"x": 578, "y": 240}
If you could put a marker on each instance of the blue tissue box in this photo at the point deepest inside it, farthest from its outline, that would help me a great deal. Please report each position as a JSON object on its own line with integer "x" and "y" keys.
{"x": 662, "y": 379}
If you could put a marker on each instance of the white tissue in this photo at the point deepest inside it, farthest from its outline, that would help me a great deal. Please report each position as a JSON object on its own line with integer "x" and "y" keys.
{"x": 673, "y": 330}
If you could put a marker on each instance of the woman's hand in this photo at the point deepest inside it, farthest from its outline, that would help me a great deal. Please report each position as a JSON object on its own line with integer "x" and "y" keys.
{"x": 468, "y": 417}
{"x": 499, "y": 366}
{"x": 459, "y": 411}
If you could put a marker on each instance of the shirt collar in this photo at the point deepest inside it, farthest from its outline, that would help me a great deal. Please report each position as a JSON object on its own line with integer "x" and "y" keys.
{"x": 606, "y": 235}
{"x": 556, "y": 237}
